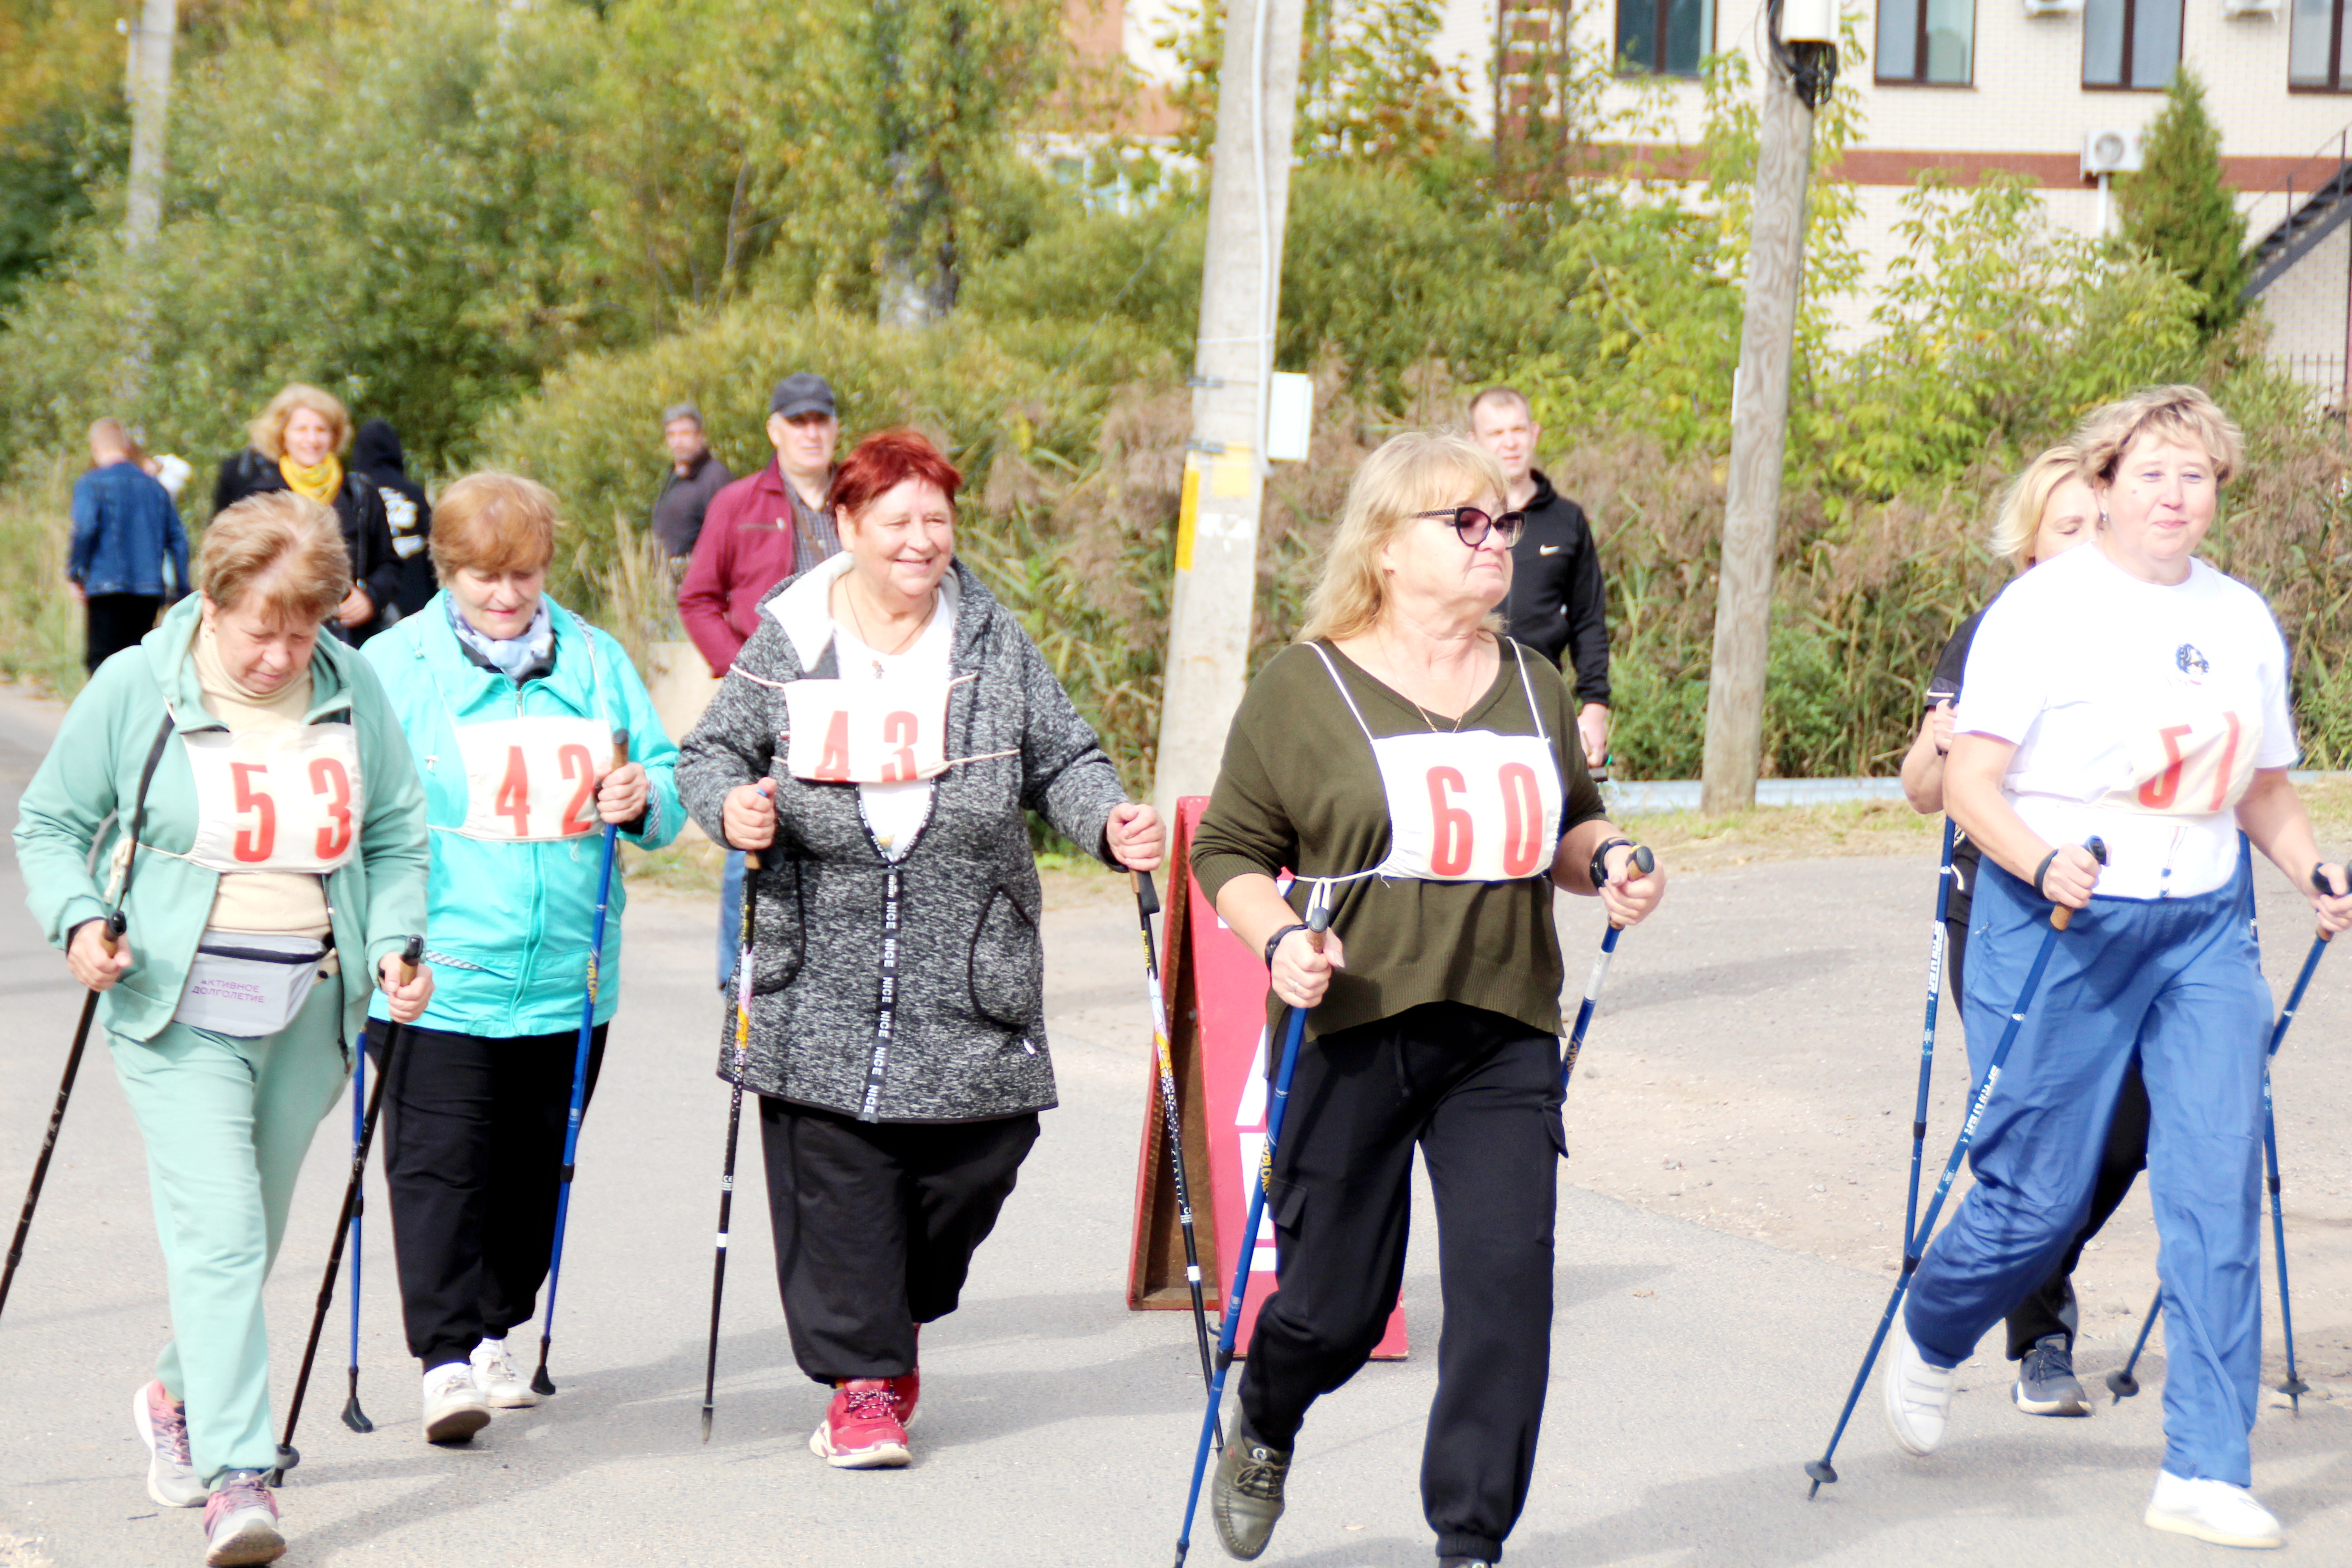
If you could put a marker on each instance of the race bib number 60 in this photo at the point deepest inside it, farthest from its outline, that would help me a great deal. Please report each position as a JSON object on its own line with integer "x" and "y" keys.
{"x": 1471, "y": 807}
{"x": 284, "y": 801}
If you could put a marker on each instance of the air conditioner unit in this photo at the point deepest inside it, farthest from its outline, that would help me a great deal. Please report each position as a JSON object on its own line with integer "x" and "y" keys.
{"x": 1808, "y": 22}
{"x": 2251, "y": 7}
{"x": 2110, "y": 153}
{"x": 2052, "y": 7}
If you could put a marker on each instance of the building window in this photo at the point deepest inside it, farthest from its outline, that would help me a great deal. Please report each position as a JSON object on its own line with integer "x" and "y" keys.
{"x": 2314, "y": 50}
{"x": 2131, "y": 43}
{"x": 1927, "y": 41}
{"x": 1664, "y": 37}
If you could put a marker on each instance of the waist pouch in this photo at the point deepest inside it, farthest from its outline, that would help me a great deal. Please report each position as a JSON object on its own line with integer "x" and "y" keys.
{"x": 247, "y": 984}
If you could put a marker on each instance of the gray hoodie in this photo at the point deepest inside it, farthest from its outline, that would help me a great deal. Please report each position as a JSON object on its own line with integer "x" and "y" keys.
{"x": 968, "y": 1035}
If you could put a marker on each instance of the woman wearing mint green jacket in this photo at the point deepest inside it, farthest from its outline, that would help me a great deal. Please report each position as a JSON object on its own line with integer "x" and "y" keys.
{"x": 514, "y": 707}
{"x": 243, "y": 791}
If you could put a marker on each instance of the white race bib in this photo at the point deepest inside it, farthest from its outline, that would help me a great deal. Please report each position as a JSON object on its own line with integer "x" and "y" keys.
{"x": 532, "y": 780}
{"x": 1475, "y": 806}
{"x": 282, "y": 799}
{"x": 891, "y": 730}
{"x": 2193, "y": 753}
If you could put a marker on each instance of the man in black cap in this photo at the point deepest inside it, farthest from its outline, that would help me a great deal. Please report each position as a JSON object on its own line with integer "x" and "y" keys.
{"x": 758, "y": 532}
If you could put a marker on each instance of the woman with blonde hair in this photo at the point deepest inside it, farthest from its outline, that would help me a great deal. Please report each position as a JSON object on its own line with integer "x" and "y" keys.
{"x": 244, "y": 792}
{"x": 296, "y": 445}
{"x": 537, "y": 732}
{"x": 2047, "y": 510}
{"x": 2128, "y": 694}
{"x": 1425, "y": 772}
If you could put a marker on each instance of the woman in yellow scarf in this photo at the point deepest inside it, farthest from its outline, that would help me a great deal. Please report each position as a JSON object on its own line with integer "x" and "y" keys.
{"x": 296, "y": 444}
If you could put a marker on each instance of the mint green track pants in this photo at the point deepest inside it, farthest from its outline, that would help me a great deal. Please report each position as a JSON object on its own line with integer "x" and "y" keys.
{"x": 226, "y": 1122}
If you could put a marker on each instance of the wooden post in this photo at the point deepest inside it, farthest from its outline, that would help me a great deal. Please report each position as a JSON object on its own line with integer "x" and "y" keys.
{"x": 150, "y": 100}
{"x": 1759, "y": 429}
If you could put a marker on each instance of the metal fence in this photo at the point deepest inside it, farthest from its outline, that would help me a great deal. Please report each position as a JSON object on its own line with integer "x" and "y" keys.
{"x": 2323, "y": 374}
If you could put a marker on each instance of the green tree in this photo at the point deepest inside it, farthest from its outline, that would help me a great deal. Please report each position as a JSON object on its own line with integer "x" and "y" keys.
{"x": 2177, "y": 209}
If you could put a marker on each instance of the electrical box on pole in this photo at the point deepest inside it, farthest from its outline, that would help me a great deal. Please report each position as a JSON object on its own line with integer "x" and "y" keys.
{"x": 1799, "y": 73}
{"x": 1224, "y": 466}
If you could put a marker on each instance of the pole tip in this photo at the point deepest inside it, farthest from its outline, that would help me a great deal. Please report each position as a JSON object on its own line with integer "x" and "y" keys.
{"x": 2122, "y": 1384}
{"x": 706, "y": 1424}
{"x": 1819, "y": 1471}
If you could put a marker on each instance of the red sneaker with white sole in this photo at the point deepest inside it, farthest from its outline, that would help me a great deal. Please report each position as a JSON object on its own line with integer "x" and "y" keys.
{"x": 861, "y": 1429}
{"x": 907, "y": 1389}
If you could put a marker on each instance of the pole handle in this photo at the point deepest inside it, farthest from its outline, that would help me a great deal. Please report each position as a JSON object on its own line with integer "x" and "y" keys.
{"x": 118, "y": 921}
{"x": 411, "y": 955}
{"x": 2061, "y": 917}
{"x": 1318, "y": 920}
{"x": 2319, "y": 880}
{"x": 1147, "y": 897}
{"x": 620, "y": 750}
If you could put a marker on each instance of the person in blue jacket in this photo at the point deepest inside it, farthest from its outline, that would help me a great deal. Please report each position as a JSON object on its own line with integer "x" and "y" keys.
{"x": 125, "y": 532}
{"x": 531, "y": 731}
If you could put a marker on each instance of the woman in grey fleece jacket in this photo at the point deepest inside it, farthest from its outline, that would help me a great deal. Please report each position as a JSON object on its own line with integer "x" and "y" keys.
{"x": 878, "y": 742}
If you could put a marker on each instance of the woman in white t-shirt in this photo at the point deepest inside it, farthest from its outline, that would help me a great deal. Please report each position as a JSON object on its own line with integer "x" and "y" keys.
{"x": 2133, "y": 693}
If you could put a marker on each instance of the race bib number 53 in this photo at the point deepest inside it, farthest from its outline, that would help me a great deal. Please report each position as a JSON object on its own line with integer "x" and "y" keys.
{"x": 284, "y": 801}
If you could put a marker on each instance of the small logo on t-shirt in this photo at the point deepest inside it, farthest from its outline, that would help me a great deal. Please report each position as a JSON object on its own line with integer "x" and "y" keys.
{"x": 2193, "y": 663}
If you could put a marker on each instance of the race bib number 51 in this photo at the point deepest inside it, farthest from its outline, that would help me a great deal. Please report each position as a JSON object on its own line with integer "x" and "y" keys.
{"x": 283, "y": 801}
{"x": 2196, "y": 766}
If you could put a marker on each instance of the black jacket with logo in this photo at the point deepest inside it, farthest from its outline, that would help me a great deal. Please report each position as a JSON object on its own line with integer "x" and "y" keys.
{"x": 375, "y": 452}
{"x": 1556, "y": 602}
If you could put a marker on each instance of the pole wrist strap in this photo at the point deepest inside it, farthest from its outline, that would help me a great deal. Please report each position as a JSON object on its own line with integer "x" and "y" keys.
{"x": 2042, "y": 870}
{"x": 1599, "y": 869}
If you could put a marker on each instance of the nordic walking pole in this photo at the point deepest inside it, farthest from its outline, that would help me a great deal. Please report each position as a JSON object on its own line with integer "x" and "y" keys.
{"x": 2122, "y": 1384}
{"x": 1644, "y": 862}
{"x": 1820, "y": 1470}
{"x": 734, "y": 1126}
{"x": 541, "y": 1384}
{"x": 114, "y": 925}
{"x": 1935, "y": 943}
{"x": 1146, "y": 904}
{"x": 353, "y": 1416}
{"x": 1318, "y": 920}
{"x": 287, "y": 1455}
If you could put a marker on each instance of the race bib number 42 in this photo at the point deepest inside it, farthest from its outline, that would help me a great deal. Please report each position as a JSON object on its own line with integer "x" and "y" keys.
{"x": 284, "y": 800}
{"x": 1471, "y": 807}
{"x": 532, "y": 780}
{"x": 866, "y": 732}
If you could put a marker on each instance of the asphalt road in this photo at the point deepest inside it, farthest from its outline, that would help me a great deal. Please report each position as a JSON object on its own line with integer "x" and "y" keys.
{"x": 1693, "y": 1370}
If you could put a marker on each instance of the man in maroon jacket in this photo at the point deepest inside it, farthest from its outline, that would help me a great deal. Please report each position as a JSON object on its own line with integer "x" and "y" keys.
{"x": 764, "y": 528}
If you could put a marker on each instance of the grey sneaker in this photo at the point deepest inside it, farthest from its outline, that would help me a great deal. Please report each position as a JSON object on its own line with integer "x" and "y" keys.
{"x": 2045, "y": 1381}
{"x": 1245, "y": 1498}
{"x": 164, "y": 1427}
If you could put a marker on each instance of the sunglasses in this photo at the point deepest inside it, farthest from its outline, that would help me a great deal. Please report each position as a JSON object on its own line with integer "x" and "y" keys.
{"x": 1472, "y": 525}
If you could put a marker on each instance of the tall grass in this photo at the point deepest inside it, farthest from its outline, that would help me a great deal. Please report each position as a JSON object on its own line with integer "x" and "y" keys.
{"x": 40, "y": 623}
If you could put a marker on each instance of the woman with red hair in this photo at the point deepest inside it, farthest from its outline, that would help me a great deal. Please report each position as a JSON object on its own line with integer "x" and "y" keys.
{"x": 879, "y": 742}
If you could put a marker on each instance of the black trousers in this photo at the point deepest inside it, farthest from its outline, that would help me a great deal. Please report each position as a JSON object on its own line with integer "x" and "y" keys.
{"x": 2051, "y": 1309}
{"x": 875, "y": 1224}
{"x": 473, "y": 1155}
{"x": 1480, "y": 1094}
{"x": 117, "y": 621}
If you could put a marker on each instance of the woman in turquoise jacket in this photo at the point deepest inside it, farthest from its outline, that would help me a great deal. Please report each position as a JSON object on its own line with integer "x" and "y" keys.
{"x": 531, "y": 731}
{"x": 239, "y": 789}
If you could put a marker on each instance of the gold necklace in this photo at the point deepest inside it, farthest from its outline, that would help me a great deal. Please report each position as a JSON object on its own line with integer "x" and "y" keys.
{"x": 1395, "y": 668}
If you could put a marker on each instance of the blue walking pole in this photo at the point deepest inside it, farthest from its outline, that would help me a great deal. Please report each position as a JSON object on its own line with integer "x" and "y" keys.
{"x": 1936, "y": 945}
{"x": 2121, "y": 1382}
{"x": 1916, "y": 1244}
{"x": 541, "y": 1384}
{"x": 353, "y": 1416}
{"x": 1644, "y": 863}
{"x": 1318, "y": 920}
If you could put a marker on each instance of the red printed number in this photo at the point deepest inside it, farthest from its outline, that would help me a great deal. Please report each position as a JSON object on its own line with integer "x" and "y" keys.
{"x": 900, "y": 730}
{"x": 253, "y": 845}
{"x": 2229, "y": 760}
{"x": 1449, "y": 855}
{"x": 835, "y": 765}
{"x": 2157, "y": 792}
{"x": 514, "y": 794}
{"x": 578, "y": 764}
{"x": 1522, "y": 819}
{"x": 329, "y": 778}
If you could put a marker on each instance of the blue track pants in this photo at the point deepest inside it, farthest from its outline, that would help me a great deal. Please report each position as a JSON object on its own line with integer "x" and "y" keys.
{"x": 2177, "y": 983}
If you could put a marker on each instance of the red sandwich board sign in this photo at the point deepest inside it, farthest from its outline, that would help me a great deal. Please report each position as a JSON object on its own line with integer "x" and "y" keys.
{"x": 1216, "y": 990}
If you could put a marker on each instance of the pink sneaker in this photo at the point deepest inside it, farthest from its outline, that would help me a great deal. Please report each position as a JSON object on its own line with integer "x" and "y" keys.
{"x": 861, "y": 1430}
{"x": 164, "y": 1427}
{"x": 241, "y": 1522}
{"x": 905, "y": 1390}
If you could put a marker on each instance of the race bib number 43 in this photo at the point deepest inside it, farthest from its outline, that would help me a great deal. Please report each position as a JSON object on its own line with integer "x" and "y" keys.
{"x": 532, "y": 780}
{"x": 1471, "y": 807}
{"x": 866, "y": 732}
{"x": 284, "y": 800}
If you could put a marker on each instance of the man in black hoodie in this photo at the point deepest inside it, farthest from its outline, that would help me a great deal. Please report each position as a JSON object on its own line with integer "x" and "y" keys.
{"x": 1557, "y": 601}
{"x": 375, "y": 453}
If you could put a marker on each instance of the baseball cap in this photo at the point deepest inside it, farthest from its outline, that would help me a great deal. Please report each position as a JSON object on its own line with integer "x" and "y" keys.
{"x": 802, "y": 393}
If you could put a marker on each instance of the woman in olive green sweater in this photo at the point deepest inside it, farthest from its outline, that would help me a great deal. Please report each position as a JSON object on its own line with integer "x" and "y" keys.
{"x": 1428, "y": 770}
{"x": 244, "y": 792}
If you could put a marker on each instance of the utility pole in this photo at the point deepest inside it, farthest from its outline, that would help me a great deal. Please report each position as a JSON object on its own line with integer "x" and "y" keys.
{"x": 1224, "y": 467}
{"x": 1799, "y": 73}
{"x": 149, "y": 91}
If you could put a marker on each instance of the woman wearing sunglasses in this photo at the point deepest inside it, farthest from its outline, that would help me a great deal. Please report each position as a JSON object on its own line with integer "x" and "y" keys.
{"x": 1423, "y": 773}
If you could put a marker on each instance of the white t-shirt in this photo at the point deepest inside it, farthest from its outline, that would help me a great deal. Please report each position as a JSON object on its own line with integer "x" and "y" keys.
{"x": 895, "y": 813}
{"x": 2139, "y": 711}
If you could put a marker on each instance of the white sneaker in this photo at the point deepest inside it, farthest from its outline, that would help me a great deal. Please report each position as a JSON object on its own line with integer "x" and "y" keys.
{"x": 496, "y": 1375}
{"x": 1919, "y": 1396}
{"x": 2212, "y": 1510}
{"x": 164, "y": 1427}
{"x": 453, "y": 1408}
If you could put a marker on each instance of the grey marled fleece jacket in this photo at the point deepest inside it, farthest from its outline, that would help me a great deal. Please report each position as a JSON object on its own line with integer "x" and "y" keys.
{"x": 969, "y": 1036}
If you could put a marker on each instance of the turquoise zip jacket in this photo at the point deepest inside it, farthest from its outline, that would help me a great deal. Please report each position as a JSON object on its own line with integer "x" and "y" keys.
{"x": 81, "y": 800}
{"x": 512, "y": 919}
